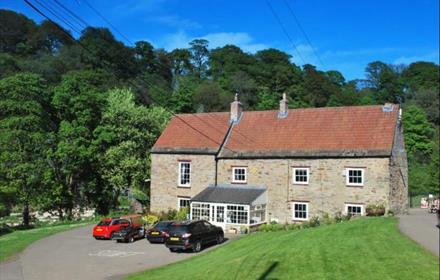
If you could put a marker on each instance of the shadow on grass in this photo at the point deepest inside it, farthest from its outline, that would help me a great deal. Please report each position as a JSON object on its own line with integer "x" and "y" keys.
{"x": 268, "y": 271}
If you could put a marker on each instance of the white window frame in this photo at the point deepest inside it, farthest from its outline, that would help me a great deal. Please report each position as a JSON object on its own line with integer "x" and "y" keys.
{"x": 293, "y": 211}
{"x": 180, "y": 199}
{"x": 307, "y": 169}
{"x": 354, "y": 205}
{"x": 347, "y": 176}
{"x": 233, "y": 174}
{"x": 179, "y": 179}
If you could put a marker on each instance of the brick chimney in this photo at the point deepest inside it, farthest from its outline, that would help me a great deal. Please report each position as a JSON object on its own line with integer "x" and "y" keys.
{"x": 282, "y": 113}
{"x": 236, "y": 109}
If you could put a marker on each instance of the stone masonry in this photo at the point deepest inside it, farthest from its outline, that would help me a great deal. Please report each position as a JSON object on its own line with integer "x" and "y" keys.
{"x": 326, "y": 192}
{"x": 164, "y": 178}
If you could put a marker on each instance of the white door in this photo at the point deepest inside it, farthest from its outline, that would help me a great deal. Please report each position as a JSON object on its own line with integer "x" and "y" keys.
{"x": 218, "y": 215}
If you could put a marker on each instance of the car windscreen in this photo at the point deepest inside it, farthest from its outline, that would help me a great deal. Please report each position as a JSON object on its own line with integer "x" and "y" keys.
{"x": 104, "y": 223}
{"x": 179, "y": 229}
{"x": 162, "y": 225}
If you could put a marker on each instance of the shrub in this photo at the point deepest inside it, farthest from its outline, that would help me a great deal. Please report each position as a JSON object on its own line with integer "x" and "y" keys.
{"x": 271, "y": 227}
{"x": 182, "y": 214}
{"x": 327, "y": 219}
{"x": 293, "y": 226}
{"x": 314, "y": 221}
{"x": 339, "y": 217}
{"x": 151, "y": 219}
{"x": 375, "y": 210}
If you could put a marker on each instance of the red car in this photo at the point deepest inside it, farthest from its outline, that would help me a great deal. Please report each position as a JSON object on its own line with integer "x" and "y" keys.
{"x": 106, "y": 227}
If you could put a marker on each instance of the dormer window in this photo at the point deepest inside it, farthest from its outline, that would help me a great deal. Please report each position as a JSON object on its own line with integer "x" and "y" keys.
{"x": 239, "y": 175}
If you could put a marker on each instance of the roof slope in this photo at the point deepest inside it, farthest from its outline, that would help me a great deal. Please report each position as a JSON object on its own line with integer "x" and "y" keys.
{"x": 335, "y": 131}
{"x": 229, "y": 194}
{"x": 203, "y": 132}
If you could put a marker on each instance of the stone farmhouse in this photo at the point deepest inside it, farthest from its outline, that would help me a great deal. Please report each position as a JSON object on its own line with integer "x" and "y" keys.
{"x": 244, "y": 168}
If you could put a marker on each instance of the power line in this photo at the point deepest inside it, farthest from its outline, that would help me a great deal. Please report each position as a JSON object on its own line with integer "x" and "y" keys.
{"x": 59, "y": 17}
{"x": 103, "y": 61}
{"x": 107, "y": 21}
{"x": 302, "y": 30}
{"x": 80, "y": 20}
{"x": 284, "y": 30}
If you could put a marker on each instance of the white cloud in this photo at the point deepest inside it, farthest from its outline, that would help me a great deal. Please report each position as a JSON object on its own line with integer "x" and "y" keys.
{"x": 240, "y": 39}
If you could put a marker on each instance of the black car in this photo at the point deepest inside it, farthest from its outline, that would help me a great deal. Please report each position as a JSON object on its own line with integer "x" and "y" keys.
{"x": 159, "y": 232}
{"x": 128, "y": 233}
{"x": 193, "y": 235}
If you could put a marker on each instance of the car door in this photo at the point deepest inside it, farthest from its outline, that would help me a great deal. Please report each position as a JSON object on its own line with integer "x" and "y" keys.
{"x": 211, "y": 232}
{"x": 200, "y": 232}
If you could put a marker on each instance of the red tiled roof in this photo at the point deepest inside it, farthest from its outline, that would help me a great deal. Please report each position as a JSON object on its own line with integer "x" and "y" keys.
{"x": 334, "y": 131}
{"x": 186, "y": 132}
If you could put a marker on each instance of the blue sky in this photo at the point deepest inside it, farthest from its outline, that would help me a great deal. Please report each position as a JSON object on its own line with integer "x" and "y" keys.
{"x": 346, "y": 35}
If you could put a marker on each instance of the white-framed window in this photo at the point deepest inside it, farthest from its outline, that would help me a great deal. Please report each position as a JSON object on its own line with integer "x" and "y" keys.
{"x": 354, "y": 209}
{"x": 300, "y": 211}
{"x": 182, "y": 202}
{"x": 184, "y": 179}
{"x": 300, "y": 175}
{"x": 199, "y": 211}
{"x": 354, "y": 176}
{"x": 239, "y": 175}
{"x": 236, "y": 214}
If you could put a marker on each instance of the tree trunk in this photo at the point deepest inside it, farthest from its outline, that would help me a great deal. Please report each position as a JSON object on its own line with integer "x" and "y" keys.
{"x": 26, "y": 216}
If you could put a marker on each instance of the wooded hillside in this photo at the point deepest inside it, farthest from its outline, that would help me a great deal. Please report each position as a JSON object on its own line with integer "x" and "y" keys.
{"x": 78, "y": 118}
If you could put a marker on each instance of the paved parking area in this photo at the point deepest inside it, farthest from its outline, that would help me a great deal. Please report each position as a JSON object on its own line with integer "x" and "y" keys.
{"x": 420, "y": 226}
{"x": 76, "y": 255}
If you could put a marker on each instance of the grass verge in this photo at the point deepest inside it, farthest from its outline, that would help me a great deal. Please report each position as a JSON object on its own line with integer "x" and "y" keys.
{"x": 366, "y": 248}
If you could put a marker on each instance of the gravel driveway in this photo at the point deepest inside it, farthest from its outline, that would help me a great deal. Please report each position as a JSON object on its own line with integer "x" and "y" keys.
{"x": 419, "y": 225}
{"x": 76, "y": 255}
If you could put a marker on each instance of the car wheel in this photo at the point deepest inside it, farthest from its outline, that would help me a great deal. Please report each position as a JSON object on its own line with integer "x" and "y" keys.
{"x": 131, "y": 239}
{"x": 173, "y": 250}
{"x": 197, "y": 246}
{"x": 220, "y": 239}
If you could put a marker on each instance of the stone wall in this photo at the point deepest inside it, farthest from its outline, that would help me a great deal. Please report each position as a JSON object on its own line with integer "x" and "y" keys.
{"x": 399, "y": 174}
{"x": 164, "y": 178}
{"x": 326, "y": 192}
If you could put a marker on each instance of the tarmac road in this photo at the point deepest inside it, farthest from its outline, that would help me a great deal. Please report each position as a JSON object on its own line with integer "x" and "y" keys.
{"x": 75, "y": 254}
{"x": 419, "y": 225}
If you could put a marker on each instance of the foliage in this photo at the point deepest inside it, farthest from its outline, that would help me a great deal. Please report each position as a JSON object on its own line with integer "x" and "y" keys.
{"x": 182, "y": 214}
{"x": 280, "y": 255}
{"x": 84, "y": 145}
{"x": 418, "y": 132}
{"x": 151, "y": 219}
{"x": 375, "y": 210}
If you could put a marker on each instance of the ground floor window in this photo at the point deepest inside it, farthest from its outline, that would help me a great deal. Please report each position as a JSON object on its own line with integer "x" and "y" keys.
{"x": 257, "y": 214}
{"x": 300, "y": 211}
{"x": 354, "y": 209}
{"x": 199, "y": 211}
{"x": 182, "y": 202}
{"x": 237, "y": 214}
{"x": 228, "y": 213}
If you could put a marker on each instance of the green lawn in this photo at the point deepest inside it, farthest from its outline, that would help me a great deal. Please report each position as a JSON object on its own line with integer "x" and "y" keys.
{"x": 18, "y": 240}
{"x": 367, "y": 248}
